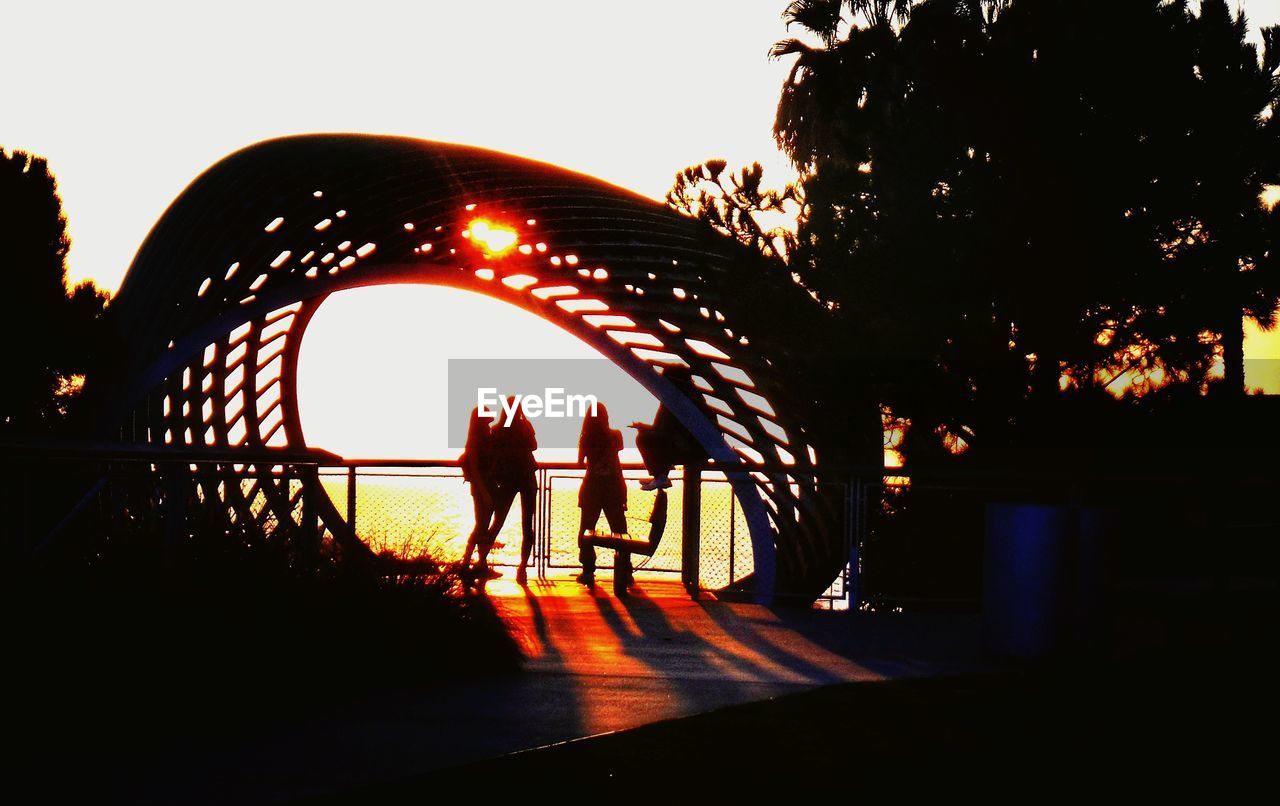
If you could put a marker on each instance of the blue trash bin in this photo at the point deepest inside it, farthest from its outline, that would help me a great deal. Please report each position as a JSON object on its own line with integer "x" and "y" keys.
{"x": 1026, "y": 583}
{"x": 1044, "y": 578}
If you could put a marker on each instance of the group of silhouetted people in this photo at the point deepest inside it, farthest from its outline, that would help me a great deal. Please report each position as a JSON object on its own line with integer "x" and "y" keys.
{"x": 499, "y": 464}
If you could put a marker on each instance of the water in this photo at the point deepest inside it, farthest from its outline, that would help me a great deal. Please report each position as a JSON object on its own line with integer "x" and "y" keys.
{"x": 428, "y": 512}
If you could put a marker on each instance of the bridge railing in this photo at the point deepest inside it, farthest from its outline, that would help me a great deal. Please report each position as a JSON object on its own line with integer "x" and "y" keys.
{"x": 60, "y": 498}
{"x": 908, "y": 541}
{"x": 58, "y": 495}
{"x": 915, "y": 540}
{"x": 914, "y": 537}
{"x": 423, "y": 508}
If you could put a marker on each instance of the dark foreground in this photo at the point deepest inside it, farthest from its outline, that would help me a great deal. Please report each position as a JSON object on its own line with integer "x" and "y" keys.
{"x": 1181, "y": 699}
{"x": 679, "y": 695}
{"x": 1168, "y": 726}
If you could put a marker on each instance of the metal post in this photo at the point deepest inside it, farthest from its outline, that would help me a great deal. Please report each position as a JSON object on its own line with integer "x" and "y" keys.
{"x": 733, "y": 553}
{"x": 546, "y": 556}
{"x": 855, "y": 531}
{"x": 691, "y": 528}
{"x": 546, "y": 523}
{"x": 542, "y": 545}
{"x": 351, "y": 498}
{"x": 175, "y": 508}
{"x": 311, "y": 492}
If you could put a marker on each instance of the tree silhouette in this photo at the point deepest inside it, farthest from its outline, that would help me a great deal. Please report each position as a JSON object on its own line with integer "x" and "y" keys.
{"x": 739, "y": 206}
{"x": 1006, "y": 200}
{"x": 1222, "y": 256}
{"x": 48, "y": 333}
{"x": 736, "y": 205}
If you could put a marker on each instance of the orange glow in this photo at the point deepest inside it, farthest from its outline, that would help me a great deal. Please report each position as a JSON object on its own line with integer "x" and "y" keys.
{"x": 493, "y": 239}
{"x": 586, "y": 636}
{"x": 1270, "y": 196}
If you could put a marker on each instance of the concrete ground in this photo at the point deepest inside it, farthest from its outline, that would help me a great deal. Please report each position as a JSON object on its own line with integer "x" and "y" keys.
{"x": 596, "y": 664}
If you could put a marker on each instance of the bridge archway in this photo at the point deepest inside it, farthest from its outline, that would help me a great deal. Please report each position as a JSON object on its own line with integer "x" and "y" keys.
{"x": 212, "y": 310}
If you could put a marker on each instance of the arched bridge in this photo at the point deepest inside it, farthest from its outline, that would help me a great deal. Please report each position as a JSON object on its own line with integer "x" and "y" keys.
{"x": 212, "y": 312}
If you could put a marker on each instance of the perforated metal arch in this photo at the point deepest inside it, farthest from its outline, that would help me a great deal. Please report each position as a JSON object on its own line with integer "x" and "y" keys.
{"x": 213, "y": 308}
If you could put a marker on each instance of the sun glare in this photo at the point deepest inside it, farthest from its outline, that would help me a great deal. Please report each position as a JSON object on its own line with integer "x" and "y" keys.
{"x": 493, "y": 239}
{"x": 1270, "y": 196}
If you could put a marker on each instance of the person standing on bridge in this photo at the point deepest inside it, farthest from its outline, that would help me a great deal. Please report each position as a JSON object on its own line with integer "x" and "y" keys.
{"x": 477, "y": 470}
{"x": 603, "y": 490}
{"x": 667, "y": 443}
{"x": 515, "y": 472}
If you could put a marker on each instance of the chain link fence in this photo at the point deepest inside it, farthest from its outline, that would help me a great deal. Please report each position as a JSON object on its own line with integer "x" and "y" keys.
{"x": 411, "y": 513}
{"x": 914, "y": 542}
{"x": 417, "y": 511}
{"x": 414, "y": 512}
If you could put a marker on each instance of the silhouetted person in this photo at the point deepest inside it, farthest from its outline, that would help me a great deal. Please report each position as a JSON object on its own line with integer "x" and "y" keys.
{"x": 665, "y": 444}
{"x": 603, "y": 490}
{"x": 477, "y": 469}
{"x": 515, "y": 473}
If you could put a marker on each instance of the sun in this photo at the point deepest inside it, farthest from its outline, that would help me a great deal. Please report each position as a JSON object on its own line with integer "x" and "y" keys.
{"x": 495, "y": 240}
{"x": 1270, "y": 196}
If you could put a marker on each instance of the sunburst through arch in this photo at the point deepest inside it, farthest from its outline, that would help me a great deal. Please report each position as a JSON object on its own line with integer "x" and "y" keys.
{"x": 211, "y": 313}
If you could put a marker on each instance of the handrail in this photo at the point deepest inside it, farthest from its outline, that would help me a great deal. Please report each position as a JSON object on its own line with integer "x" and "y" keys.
{"x": 131, "y": 451}
{"x": 1013, "y": 477}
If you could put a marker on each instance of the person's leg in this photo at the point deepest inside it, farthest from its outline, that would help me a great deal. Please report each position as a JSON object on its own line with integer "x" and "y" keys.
{"x": 528, "y": 505}
{"x": 616, "y": 515}
{"x": 586, "y": 551}
{"x": 645, "y": 440}
{"x": 655, "y": 450}
{"x": 503, "y": 497}
{"x": 483, "y": 514}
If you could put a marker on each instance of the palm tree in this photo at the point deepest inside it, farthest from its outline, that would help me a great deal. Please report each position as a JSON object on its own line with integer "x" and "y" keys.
{"x": 814, "y": 92}
{"x": 1236, "y": 148}
{"x": 1003, "y": 196}
{"x": 871, "y": 151}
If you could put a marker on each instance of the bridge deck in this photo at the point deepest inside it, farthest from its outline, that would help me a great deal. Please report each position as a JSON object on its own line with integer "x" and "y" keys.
{"x": 661, "y": 635}
{"x": 596, "y": 664}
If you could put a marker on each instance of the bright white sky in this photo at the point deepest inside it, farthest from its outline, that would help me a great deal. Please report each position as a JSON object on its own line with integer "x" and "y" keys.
{"x": 130, "y": 101}
{"x": 397, "y": 396}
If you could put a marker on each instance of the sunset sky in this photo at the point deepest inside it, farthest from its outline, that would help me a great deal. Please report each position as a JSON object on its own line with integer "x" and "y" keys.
{"x": 130, "y": 101}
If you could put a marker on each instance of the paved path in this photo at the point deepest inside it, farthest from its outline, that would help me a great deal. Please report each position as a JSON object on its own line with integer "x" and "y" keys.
{"x": 596, "y": 664}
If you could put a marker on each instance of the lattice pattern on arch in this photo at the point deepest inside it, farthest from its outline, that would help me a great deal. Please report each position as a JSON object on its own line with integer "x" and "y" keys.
{"x": 214, "y": 305}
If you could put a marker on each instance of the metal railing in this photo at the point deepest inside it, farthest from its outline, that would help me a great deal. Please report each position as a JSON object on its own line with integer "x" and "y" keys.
{"x": 423, "y": 508}
{"x": 914, "y": 540}
{"x": 420, "y": 508}
{"x": 121, "y": 494}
